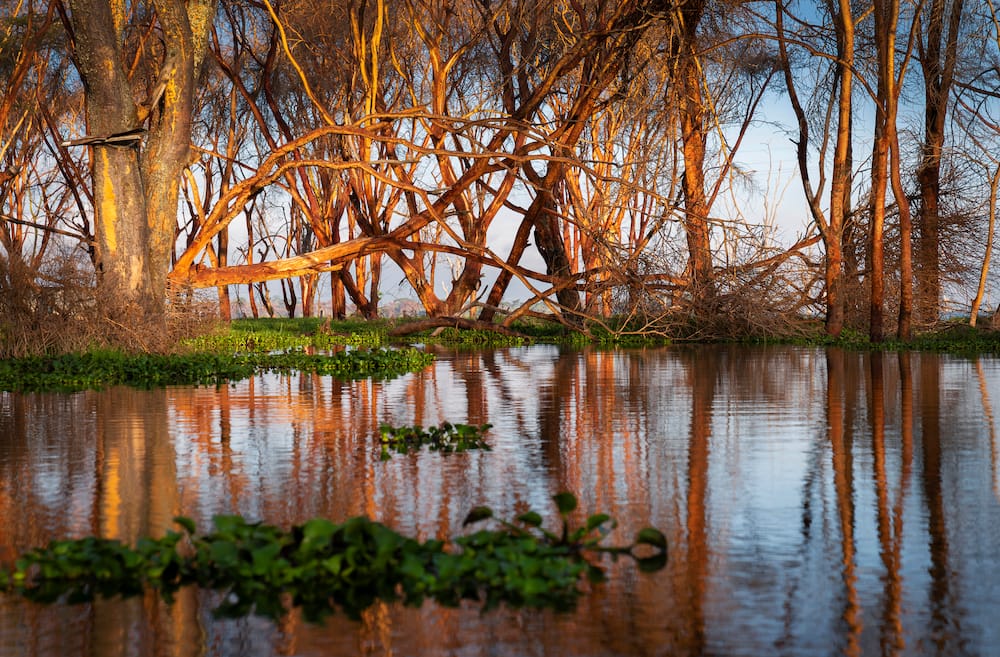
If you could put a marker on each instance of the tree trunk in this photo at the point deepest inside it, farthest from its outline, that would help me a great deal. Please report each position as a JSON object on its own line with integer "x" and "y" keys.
{"x": 938, "y": 76}
{"x": 504, "y": 278}
{"x": 984, "y": 270}
{"x": 905, "y": 328}
{"x": 549, "y": 241}
{"x": 338, "y": 302}
{"x": 831, "y": 228}
{"x": 695, "y": 203}
{"x": 886, "y": 14}
{"x": 693, "y": 137}
{"x": 876, "y": 244}
{"x": 840, "y": 183}
{"x": 136, "y": 187}
{"x": 119, "y": 199}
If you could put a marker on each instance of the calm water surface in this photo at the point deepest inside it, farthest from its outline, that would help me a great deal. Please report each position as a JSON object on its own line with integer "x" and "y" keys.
{"x": 816, "y": 502}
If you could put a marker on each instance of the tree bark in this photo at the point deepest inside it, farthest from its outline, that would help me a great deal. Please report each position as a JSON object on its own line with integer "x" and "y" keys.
{"x": 120, "y": 228}
{"x": 984, "y": 269}
{"x": 136, "y": 187}
{"x": 693, "y": 136}
{"x": 938, "y": 76}
{"x": 840, "y": 182}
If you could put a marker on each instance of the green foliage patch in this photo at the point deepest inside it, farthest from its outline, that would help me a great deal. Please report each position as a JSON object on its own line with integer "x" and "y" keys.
{"x": 959, "y": 339}
{"x": 322, "y": 566}
{"x": 280, "y": 334}
{"x": 478, "y": 338}
{"x": 100, "y": 369}
{"x": 446, "y": 437}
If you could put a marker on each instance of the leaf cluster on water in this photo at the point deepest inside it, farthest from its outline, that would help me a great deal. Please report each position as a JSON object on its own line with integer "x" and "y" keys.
{"x": 100, "y": 369}
{"x": 322, "y": 566}
{"x": 446, "y": 438}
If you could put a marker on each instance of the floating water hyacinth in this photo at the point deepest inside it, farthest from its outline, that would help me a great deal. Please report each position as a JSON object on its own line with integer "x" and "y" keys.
{"x": 446, "y": 437}
{"x": 322, "y": 566}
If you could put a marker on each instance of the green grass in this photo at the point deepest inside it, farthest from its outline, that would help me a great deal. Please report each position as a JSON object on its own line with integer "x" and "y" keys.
{"x": 277, "y": 334}
{"x": 954, "y": 338}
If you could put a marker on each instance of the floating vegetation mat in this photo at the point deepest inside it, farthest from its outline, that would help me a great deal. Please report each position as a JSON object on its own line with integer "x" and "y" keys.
{"x": 446, "y": 438}
{"x": 322, "y": 566}
{"x": 101, "y": 369}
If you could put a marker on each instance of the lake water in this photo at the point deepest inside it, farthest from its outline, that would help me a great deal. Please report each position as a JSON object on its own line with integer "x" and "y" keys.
{"x": 815, "y": 502}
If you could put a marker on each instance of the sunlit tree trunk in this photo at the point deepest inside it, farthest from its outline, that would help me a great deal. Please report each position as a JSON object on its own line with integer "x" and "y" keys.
{"x": 984, "y": 270}
{"x": 838, "y": 120}
{"x": 840, "y": 182}
{"x": 885, "y": 31}
{"x": 886, "y": 169}
{"x": 905, "y": 327}
{"x": 119, "y": 196}
{"x": 693, "y": 116}
{"x": 136, "y": 185}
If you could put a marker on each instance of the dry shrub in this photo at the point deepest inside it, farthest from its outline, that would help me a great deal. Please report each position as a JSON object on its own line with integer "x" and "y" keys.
{"x": 763, "y": 304}
{"x": 59, "y": 310}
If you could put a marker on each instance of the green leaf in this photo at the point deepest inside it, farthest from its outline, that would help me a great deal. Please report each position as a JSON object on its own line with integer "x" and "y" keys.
{"x": 531, "y": 518}
{"x": 596, "y": 520}
{"x": 264, "y": 556}
{"x": 224, "y": 553}
{"x": 186, "y": 524}
{"x": 478, "y": 514}
{"x": 565, "y": 502}
{"x": 334, "y": 564}
{"x": 651, "y": 536}
{"x": 653, "y": 563}
{"x": 317, "y": 532}
{"x": 228, "y": 525}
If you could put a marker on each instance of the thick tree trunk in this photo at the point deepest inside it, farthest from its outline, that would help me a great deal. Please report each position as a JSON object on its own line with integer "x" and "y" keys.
{"x": 928, "y": 259}
{"x": 876, "y": 245}
{"x": 119, "y": 199}
{"x": 185, "y": 31}
{"x": 885, "y": 30}
{"x": 136, "y": 194}
{"x": 338, "y": 301}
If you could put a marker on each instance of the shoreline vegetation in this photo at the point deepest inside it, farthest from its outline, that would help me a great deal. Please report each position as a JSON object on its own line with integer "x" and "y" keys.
{"x": 217, "y": 353}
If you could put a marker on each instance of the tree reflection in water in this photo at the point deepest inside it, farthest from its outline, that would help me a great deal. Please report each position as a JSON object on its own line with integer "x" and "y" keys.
{"x": 813, "y": 500}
